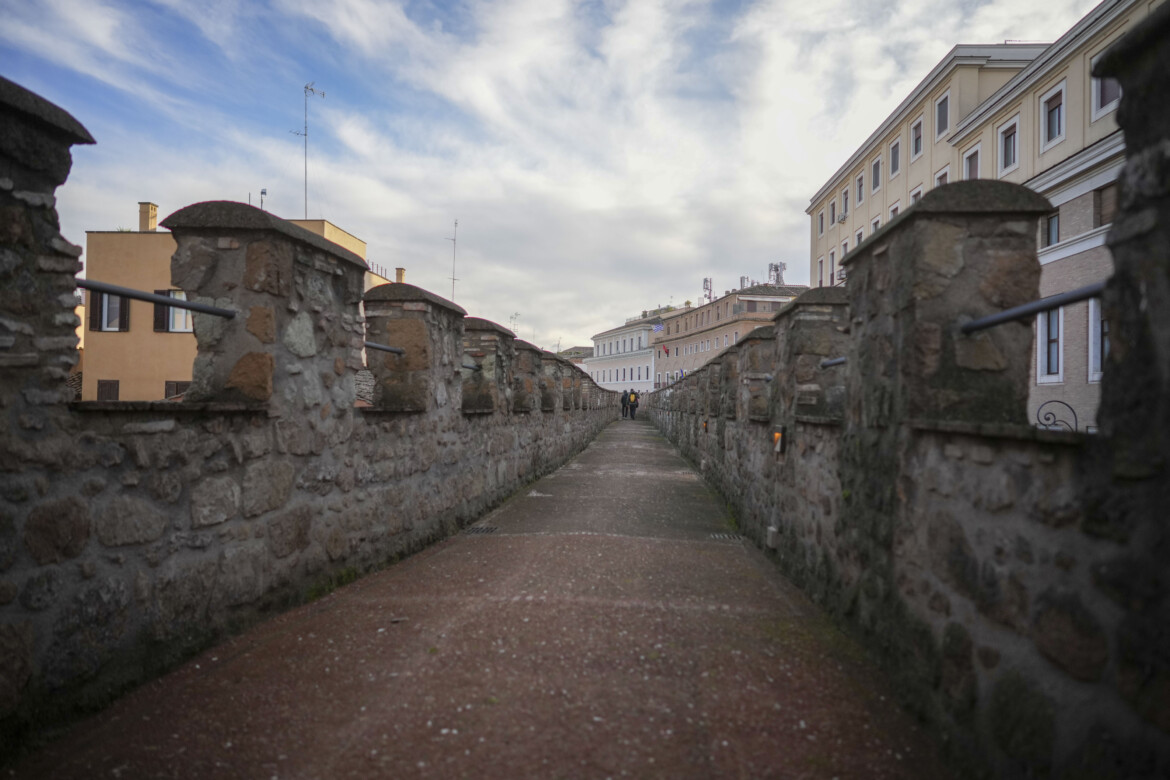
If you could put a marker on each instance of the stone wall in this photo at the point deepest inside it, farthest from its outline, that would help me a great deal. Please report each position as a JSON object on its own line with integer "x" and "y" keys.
{"x": 132, "y": 534}
{"x": 1012, "y": 580}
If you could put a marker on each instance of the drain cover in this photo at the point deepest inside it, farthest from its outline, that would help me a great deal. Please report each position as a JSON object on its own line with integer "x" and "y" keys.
{"x": 727, "y": 537}
{"x": 480, "y": 529}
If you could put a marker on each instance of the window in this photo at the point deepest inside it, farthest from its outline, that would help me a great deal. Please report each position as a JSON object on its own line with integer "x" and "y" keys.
{"x": 1049, "y": 337}
{"x": 1105, "y": 204}
{"x": 820, "y": 272}
{"x": 916, "y": 146}
{"x": 971, "y": 163}
{"x": 942, "y": 177}
{"x": 1106, "y": 95}
{"x": 1050, "y": 227}
{"x": 844, "y": 202}
{"x": 833, "y": 212}
{"x": 894, "y": 209}
{"x": 107, "y": 390}
{"x": 876, "y": 224}
{"x": 168, "y": 319}
{"x": 860, "y": 189}
{"x": 725, "y": 339}
{"x": 735, "y": 337}
{"x": 1052, "y": 117}
{"x": 942, "y": 115}
{"x": 172, "y": 389}
{"x": 639, "y": 373}
{"x": 821, "y": 223}
{"x": 844, "y": 248}
{"x": 860, "y": 235}
{"x": 109, "y": 312}
{"x": 915, "y": 196}
{"x": 832, "y": 268}
{"x": 1009, "y": 145}
{"x": 895, "y": 158}
{"x": 1098, "y": 340}
{"x": 875, "y": 175}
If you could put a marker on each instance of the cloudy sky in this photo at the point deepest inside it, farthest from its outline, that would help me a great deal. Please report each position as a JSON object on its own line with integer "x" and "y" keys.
{"x": 602, "y": 156}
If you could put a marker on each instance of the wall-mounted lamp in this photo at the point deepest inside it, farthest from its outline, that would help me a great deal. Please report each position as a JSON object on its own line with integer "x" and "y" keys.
{"x": 704, "y": 426}
{"x": 780, "y": 439}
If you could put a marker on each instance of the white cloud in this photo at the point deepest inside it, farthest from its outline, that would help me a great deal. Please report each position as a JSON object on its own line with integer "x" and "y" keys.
{"x": 601, "y": 158}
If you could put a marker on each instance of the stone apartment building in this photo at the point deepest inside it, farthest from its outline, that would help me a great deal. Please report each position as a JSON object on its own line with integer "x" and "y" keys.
{"x": 622, "y": 357}
{"x": 690, "y": 338}
{"x": 140, "y": 351}
{"x": 1030, "y": 115}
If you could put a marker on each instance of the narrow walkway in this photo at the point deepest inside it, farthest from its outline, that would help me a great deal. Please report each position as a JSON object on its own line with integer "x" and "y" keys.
{"x": 605, "y": 622}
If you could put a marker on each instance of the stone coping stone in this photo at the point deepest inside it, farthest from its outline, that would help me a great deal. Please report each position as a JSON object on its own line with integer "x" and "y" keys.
{"x": 479, "y": 323}
{"x": 168, "y": 407}
{"x": 401, "y": 291}
{"x": 15, "y": 97}
{"x": 1001, "y": 431}
{"x": 764, "y": 333}
{"x": 518, "y": 344}
{"x": 816, "y": 296}
{"x": 220, "y": 215}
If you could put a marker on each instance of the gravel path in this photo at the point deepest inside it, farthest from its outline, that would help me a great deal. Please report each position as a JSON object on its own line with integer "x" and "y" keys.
{"x": 604, "y": 622}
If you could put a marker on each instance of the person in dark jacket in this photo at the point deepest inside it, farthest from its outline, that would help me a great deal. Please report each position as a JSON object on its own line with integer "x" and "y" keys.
{"x": 625, "y": 403}
{"x": 633, "y": 404}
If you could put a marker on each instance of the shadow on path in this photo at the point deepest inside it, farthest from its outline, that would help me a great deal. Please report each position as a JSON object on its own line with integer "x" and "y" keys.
{"x": 604, "y": 622}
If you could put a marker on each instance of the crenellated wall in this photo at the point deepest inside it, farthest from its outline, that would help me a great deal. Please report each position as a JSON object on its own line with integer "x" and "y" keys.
{"x": 132, "y": 534}
{"x": 1013, "y": 580}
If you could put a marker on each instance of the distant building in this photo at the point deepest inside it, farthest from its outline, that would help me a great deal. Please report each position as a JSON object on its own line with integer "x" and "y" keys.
{"x": 1029, "y": 114}
{"x": 139, "y": 351}
{"x": 622, "y": 358}
{"x": 576, "y": 354}
{"x": 687, "y": 339}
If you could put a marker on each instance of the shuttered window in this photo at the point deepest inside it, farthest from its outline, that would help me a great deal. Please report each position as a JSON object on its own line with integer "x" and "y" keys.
{"x": 107, "y": 390}
{"x": 109, "y": 312}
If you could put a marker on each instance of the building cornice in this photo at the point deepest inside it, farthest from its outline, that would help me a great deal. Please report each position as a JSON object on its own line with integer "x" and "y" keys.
{"x": 960, "y": 56}
{"x": 1092, "y": 24}
{"x": 1109, "y": 148}
{"x": 1074, "y": 246}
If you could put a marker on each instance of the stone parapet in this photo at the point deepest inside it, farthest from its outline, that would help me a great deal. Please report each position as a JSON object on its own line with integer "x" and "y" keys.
{"x": 488, "y": 358}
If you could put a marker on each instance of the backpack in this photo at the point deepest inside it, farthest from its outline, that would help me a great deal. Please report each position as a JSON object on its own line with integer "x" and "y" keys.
{"x": 633, "y": 398}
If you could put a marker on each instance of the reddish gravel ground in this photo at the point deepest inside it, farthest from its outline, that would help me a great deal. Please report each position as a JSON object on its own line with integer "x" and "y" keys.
{"x": 604, "y": 629}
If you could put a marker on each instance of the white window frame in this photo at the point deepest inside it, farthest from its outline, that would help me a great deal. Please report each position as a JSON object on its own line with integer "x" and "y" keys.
{"x": 1042, "y": 112}
{"x": 860, "y": 182}
{"x": 179, "y": 320}
{"x": 844, "y": 248}
{"x": 896, "y": 144}
{"x": 895, "y": 209}
{"x": 877, "y": 223}
{"x": 915, "y": 193}
{"x": 1042, "y": 375}
{"x": 944, "y": 171}
{"x": 821, "y": 222}
{"x": 844, "y": 203}
{"x": 860, "y": 236}
{"x": 1096, "y": 109}
{"x": 832, "y": 212}
{"x": 832, "y": 266}
{"x": 1096, "y": 359}
{"x": 875, "y": 179}
{"x": 821, "y": 271}
{"x": 105, "y": 320}
{"x": 1000, "y": 131}
{"x": 920, "y": 122}
{"x": 977, "y": 149}
{"x": 940, "y": 132}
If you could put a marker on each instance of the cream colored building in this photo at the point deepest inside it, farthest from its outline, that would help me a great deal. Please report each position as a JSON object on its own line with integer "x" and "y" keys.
{"x": 622, "y": 358}
{"x": 140, "y": 351}
{"x": 1033, "y": 115}
{"x": 691, "y": 337}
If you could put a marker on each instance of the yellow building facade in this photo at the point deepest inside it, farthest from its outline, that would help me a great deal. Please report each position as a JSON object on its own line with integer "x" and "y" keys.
{"x": 140, "y": 351}
{"x": 1032, "y": 115}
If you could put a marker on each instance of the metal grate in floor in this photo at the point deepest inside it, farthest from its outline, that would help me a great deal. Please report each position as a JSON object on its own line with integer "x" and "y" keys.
{"x": 727, "y": 537}
{"x": 480, "y": 529}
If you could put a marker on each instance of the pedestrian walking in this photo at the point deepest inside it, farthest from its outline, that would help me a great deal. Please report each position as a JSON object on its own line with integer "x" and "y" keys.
{"x": 625, "y": 403}
{"x": 633, "y": 404}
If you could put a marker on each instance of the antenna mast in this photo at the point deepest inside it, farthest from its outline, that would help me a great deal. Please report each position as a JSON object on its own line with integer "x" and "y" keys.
{"x": 308, "y": 90}
{"x": 453, "y": 279}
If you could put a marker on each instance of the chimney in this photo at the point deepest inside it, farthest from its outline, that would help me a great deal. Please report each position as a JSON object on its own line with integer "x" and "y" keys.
{"x": 400, "y": 275}
{"x": 147, "y": 217}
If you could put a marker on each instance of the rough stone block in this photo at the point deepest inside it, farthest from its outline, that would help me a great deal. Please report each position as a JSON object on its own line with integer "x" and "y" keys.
{"x": 213, "y": 501}
{"x": 1066, "y": 633}
{"x": 252, "y": 375}
{"x": 128, "y": 520}
{"x": 289, "y": 531}
{"x": 57, "y": 530}
{"x": 267, "y": 486}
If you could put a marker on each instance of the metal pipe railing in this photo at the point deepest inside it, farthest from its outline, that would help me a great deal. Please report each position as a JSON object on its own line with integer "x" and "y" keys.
{"x": 384, "y": 348}
{"x": 139, "y": 295}
{"x": 1034, "y": 307}
{"x": 830, "y": 362}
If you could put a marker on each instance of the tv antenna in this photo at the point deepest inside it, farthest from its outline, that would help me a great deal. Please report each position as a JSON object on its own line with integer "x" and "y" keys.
{"x": 453, "y": 279}
{"x": 263, "y": 193}
{"x": 309, "y": 89}
{"x": 512, "y": 321}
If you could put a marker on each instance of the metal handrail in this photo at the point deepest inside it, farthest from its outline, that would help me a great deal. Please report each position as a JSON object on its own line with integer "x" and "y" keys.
{"x": 1034, "y": 307}
{"x": 830, "y": 362}
{"x": 384, "y": 348}
{"x": 139, "y": 295}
